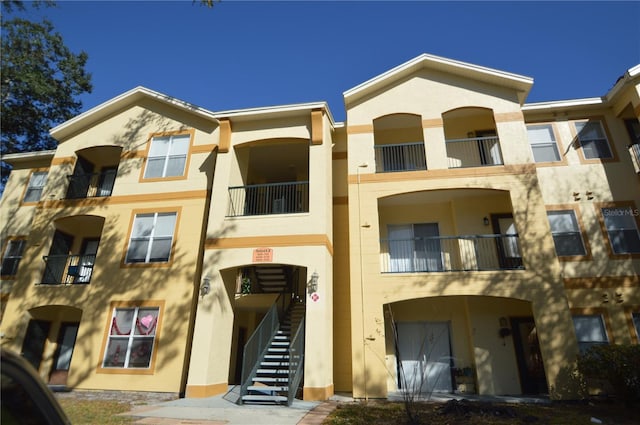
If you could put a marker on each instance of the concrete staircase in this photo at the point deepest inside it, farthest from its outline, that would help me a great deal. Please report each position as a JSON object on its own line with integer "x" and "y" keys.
{"x": 271, "y": 380}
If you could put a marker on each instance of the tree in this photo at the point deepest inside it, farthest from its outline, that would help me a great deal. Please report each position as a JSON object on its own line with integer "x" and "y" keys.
{"x": 41, "y": 80}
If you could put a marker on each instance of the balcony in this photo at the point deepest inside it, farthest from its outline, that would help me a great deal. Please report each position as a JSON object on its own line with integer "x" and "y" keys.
{"x": 269, "y": 198}
{"x": 91, "y": 185}
{"x": 68, "y": 269}
{"x": 474, "y": 152}
{"x": 451, "y": 254}
{"x": 400, "y": 157}
{"x": 94, "y": 173}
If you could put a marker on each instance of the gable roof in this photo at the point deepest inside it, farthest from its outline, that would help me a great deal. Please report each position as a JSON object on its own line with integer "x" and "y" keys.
{"x": 117, "y": 103}
{"x": 520, "y": 83}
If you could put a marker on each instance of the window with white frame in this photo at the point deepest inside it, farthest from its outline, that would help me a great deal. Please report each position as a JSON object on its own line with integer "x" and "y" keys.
{"x": 593, "y": 140}
{"x": 151, "y": 238}
{"x": 566, "y": 233}
{"x": 132, "y": 336}
{"x": 12, "y": 257}
{"x": 622, "y": 229}
{"x": 167, "y": 156}
{"x": 590, "y": 331}
{"x": 543, "y": 143}
{"x": 35, "y": 186}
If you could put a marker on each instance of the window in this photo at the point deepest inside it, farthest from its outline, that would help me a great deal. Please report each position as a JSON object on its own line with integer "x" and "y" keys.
{"x": 12, "y": 257}
{"x": 36, "y": 184}
{"x": 593, "y": 140}
{"x": 590, "y": 331}
{"x": 622, "y": 230}
{"x": 167, "y": 156}
{"x": 132, "y": 335}
{"x": 151, "y": 238}
{"x": 566, "y": 233}
{"x": 543, "y": 143}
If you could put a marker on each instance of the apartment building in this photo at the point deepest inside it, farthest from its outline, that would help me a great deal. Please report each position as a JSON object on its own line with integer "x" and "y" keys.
{"x": 446, "y": 237}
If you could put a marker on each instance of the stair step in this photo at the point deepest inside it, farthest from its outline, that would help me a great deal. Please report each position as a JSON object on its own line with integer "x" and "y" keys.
{"x": 277, "y": 350}
{"x": 276, "y": 357}
{"x": 271, "y": 379}
{"x": 273, "y": 371}
{"x": 268, "y": 388}
{"x": 263, "y": 398}
{"x": 280, "y": 343}
{"x": 275, "y": 364}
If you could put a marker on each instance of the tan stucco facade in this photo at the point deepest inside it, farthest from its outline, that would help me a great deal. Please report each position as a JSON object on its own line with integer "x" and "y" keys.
{"x": 425, "y": 213}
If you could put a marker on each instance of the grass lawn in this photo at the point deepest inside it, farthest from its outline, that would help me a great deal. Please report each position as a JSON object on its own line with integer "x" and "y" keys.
{"x": 91, "y": 412}
{"x": 477, "y": 413}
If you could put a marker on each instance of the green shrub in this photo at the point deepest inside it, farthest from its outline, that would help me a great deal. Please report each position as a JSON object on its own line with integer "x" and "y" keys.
{"x": 618, "y": 365}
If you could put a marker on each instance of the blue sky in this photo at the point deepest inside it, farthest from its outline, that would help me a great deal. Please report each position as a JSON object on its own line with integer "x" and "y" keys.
{"x": 244, "y": 54}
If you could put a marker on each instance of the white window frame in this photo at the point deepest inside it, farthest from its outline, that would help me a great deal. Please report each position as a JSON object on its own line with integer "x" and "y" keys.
{"x": 589, "y": 145}
{"x": 133, "y": 332}
{"x": 168, "y": 156}
{"x": 151, "y": 236}
{"x": 618, "y": 233}
{"x": 573, "y": 232}
{"x": 35, "y": 186}
{"x": 543, "y": 144}
{"x": 590, "y": 330}
{"x": 12, "y": 255}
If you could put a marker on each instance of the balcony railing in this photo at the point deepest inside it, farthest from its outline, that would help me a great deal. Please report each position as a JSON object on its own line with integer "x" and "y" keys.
{"x": 91, "y": 185}
{"x": 474, "y": 152}
{"x": 450, "y": 254}
{"x": 270, "y": 198}
{"x": 68, "y": 269}
{"x": 634, "y": 151}
{"x": 400, "y": 157}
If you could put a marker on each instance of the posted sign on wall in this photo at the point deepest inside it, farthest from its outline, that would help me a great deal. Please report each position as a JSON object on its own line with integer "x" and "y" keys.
{"x": 262, "y": 255}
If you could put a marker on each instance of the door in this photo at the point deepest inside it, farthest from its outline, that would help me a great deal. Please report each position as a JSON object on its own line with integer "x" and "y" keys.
{"x": 400, "y": 248}
{"x": 87, "y": 259}
{"x": 62, "y": 358}
{"x": 34, "y": 341}
{"x": 489, "y": 148}
{"x": 428, "y": 253}
{"x": 508, "y": 247}
{"x": 56, "y": 266}
{"x": 106, "y": 181}
{"x": 424, "y": 357}
{"x": 80, "y": 180}
{"x": 530, "y": 365}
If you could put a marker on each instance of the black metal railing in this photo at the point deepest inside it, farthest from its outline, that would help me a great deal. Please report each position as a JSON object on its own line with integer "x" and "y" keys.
{"x": 400, "y": 157}
{"x": 68, "y": 269}
{"x": 451, "y": 253}
{"x": 91, "y": 185}
{"x": 474, "y": 152}
{"x": 258, "y": 344}
{"x": 296, "y": 360}
{"x": 270, "y": 198}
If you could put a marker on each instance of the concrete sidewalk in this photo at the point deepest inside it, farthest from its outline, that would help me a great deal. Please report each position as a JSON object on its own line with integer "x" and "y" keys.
{"x": 220, "y": 410}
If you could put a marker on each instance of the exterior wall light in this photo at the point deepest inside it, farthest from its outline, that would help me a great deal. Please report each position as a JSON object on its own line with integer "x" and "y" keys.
{"x": 485, "y": 220}
{"x": 205, "y": 288}
{"x": 312, "y": 285}
{"x": 505, "y": 330}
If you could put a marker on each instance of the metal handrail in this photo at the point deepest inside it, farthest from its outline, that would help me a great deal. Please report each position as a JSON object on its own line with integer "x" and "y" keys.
{"x": 296, "y": 361}
{"x": 474, "y": 152}
{"x": 451, "y": 253}
{"x": 269, "y": 198}
{"x": 68, "y": 269}
{"x": 93, "y": 185}
{"x": 400, "y": 157}
{"x": 258, "y": 344}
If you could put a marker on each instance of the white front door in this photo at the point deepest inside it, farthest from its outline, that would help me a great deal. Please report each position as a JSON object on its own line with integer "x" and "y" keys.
{"x": 424, "y": 356}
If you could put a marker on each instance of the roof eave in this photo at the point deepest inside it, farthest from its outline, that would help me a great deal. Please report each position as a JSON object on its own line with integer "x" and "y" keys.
{"x": 522, "y": 84}
{"x": 76, "y": 123}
